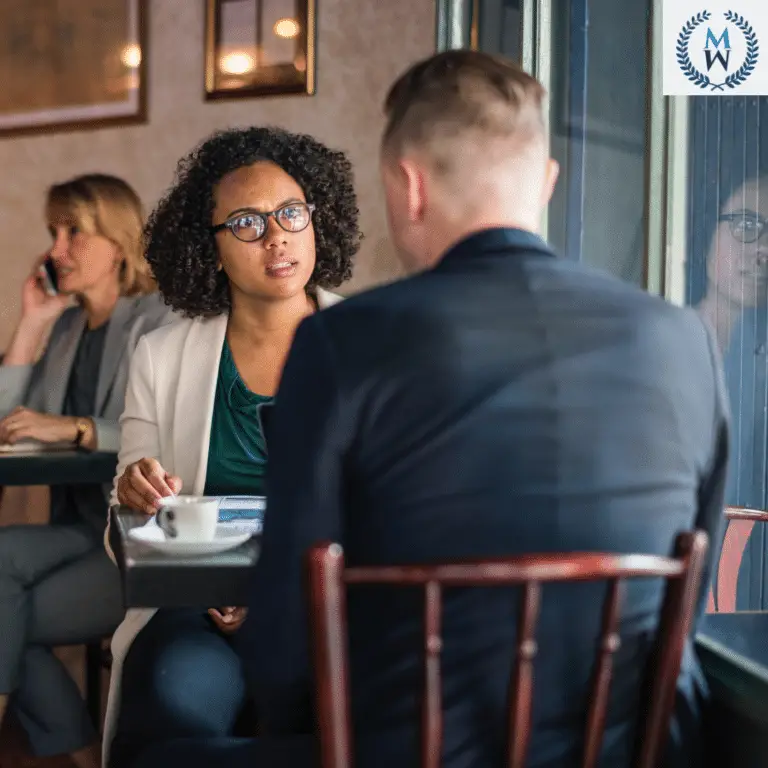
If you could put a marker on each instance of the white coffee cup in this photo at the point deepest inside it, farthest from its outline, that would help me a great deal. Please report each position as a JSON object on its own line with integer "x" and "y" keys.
{"x": 188, "y": 518}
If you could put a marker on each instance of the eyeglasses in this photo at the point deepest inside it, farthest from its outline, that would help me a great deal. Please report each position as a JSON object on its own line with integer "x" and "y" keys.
{"x": 745, "y": 227}
{"x": 250, "y": 226}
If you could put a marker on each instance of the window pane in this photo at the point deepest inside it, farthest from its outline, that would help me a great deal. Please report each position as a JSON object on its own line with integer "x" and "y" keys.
{"x": 499, "y": 27}
{"x": 599, "y": 116}
{"x": 727, "y": 282}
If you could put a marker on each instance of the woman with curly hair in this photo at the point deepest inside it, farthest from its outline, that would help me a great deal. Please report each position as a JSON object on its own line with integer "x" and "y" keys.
{"x": 259, "y": 224}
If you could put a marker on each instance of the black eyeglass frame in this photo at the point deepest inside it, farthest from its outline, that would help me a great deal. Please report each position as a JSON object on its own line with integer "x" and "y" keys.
{"x": 264, "y": 216}
{"x": 733, "y": 217}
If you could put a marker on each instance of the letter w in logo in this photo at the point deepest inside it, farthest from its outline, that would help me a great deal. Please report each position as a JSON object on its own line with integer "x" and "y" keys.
{"x": 717, "y": 55}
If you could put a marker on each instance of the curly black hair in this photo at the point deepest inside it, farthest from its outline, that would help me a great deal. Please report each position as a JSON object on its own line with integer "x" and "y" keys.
{"x": 180, "y": 247}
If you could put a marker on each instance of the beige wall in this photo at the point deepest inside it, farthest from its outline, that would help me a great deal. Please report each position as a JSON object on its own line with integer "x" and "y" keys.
{"x": 362, "y": 46}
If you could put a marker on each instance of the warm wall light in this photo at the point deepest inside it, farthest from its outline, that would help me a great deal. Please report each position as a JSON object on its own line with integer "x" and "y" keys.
{"x": 287, "y": 28}
{"x": 237, "y": 63}
{"x": 131, "y": 56}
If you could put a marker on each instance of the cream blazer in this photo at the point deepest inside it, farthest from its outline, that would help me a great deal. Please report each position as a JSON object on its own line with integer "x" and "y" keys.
{"x": 167, "y": 416}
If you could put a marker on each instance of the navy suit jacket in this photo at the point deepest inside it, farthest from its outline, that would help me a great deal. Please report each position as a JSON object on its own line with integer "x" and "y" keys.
{"x": 504, "y": 402}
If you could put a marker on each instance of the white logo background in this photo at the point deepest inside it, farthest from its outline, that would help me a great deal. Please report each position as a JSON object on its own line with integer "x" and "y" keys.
{"x": 677, "y": 13}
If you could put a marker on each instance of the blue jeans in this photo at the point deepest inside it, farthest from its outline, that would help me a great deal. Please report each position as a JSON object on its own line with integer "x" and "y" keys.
{"x": 181, "y": 679}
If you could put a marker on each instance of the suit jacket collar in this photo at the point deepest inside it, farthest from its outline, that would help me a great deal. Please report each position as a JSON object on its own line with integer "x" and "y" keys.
{"x": 326, "y": 299}
{"x": 497, "y": 240}
{"x": 114, "y": 349}
{"x": 193, "y": 410}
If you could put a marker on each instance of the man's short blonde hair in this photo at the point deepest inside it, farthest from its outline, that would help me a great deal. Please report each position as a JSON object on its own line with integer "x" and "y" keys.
{"x": 463, "y": 97}
{"x": 100, "y": 204}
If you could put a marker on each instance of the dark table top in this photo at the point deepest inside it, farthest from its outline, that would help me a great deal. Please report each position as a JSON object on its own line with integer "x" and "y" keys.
{"x": 733, "y": 649}
{"x": 57, "y": 468}
{"x": 154, "y": 580}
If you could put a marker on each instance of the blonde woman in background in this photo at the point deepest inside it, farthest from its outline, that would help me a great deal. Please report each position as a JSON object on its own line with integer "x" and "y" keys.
{"x": 57, "y": 586}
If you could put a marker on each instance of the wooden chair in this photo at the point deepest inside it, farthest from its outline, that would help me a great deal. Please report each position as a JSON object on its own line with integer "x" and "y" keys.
{"x": 741, "y": 521}
{"x": 328, "y": 578}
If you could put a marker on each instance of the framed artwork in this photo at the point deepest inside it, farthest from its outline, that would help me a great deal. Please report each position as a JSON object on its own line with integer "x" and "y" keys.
{"x": 71, "y": 64}
{"x": 259, "y": 48}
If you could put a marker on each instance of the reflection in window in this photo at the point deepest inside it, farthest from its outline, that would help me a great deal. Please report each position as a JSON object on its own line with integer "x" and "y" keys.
{"x": 492, "y": 26}
{"x": 498, "y": 28}
{"x": 727, "y": 281}
{"x": 599, "y": 116}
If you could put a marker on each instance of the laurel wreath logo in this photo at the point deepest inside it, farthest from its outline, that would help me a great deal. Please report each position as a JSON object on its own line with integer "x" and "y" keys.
{"x": 683, "y": 59}
{"x": 699, "y": 78}
{"x": 746, "y": 69}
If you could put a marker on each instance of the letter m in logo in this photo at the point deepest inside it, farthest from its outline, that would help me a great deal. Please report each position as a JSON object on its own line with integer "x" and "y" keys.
{"x": 715, "y": 54}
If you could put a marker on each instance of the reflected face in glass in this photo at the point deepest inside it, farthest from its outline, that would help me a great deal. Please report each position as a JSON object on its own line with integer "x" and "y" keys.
{"x": 737, "y": 266}
{"x": 265, "y": 256}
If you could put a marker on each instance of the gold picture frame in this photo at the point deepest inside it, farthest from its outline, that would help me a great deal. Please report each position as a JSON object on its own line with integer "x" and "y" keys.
{"x": 259, "y": 48}
{"x": 72, "y": 64}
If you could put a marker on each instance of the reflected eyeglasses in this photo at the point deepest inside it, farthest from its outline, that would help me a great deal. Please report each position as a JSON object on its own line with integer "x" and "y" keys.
{"x": 249, "y": 226}
{"x": 745, "y": 227}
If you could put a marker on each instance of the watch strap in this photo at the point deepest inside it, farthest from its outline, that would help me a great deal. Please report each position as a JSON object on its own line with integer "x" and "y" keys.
{"x": 82, "y": 429}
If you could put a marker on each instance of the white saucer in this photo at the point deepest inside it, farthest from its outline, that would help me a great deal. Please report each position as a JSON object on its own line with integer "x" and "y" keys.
{"x": 153, "y": 537}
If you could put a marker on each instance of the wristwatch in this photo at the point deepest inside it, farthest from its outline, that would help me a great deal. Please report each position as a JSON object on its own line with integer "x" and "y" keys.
{"x": 83, "y": 425}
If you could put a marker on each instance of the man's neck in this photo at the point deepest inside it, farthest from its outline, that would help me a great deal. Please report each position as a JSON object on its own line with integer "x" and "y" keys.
{"x": 450, "y": 234}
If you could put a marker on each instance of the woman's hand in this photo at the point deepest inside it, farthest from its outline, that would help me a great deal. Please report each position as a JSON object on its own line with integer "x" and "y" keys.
{"x": 228, "y": 620}
{"x": 38, "y": 306}
{"x": 38, "y": 311}
{"x": 144, "y": 483}
{"x": 23, "y": 424}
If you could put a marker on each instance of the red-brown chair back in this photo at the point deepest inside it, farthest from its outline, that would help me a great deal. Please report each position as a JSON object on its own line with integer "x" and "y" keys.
{"x": 328, "y": 578}
{"x": 740, "y": 522}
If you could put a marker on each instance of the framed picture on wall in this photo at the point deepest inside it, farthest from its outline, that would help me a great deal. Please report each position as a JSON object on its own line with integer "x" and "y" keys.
{"x": 71, "y": 64}
{"x": 259, "y": 48}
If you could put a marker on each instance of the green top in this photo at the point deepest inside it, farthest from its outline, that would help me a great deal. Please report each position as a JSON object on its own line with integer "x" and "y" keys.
{"x": 237, "y": 455}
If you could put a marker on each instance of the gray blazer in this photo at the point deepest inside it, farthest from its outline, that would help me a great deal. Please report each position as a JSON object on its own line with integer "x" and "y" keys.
{"x": 42, "y": 386}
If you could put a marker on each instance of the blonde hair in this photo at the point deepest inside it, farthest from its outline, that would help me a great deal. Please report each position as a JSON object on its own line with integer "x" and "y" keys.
{"x": 99, "y": 204}
{"x": 459, "y": 98}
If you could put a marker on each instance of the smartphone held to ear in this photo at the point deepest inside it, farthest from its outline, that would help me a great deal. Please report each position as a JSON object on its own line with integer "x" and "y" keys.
{"x": 49, "y": 278}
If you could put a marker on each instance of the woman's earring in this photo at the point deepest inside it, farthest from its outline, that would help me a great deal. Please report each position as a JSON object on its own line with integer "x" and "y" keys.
{"x": 219, "y": 267}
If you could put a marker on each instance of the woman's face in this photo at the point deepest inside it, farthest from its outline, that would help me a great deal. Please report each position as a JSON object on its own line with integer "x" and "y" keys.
{"x": 737, "y": 265}
{"x": 278, "y": 264}
{"x": 82, "y": 261}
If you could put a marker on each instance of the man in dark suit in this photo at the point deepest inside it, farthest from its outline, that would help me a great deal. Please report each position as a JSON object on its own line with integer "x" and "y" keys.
{"x": 500, "y": 401}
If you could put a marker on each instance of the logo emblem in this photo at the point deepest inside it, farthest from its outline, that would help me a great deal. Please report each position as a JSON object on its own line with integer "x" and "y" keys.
{"x": 717, "y": 51}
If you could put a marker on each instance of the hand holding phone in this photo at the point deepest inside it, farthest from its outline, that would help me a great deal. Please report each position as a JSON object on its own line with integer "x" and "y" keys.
{"x": 48, "y": 277}
{"x": 40, "y": 300}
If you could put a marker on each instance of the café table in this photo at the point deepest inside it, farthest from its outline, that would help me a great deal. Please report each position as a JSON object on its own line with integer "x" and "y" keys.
{"x": 57, "y": 467}
{"x": 155, "y": 580}
{"x": 733, "y": 650}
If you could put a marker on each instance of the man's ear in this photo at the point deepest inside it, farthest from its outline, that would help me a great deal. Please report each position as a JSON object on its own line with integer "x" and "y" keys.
{"x": 550, "y": 179}
{"x": 413, "y": 179}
